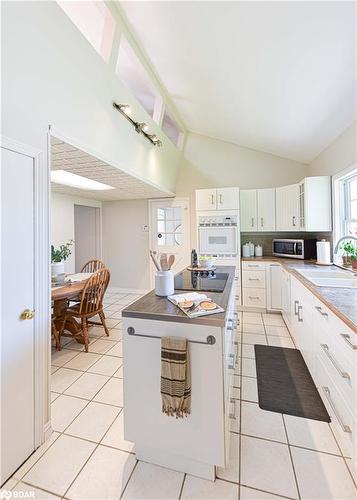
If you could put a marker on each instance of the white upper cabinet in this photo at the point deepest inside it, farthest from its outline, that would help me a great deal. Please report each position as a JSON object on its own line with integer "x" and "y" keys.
{"x": 248, "y": 210}
{"x": 217, "y": 199}
{"x": 315, "y": 204}
{"x": 266, "y": 209}
{"x": 287, "y": 208}
{"x": 257, "y": 210}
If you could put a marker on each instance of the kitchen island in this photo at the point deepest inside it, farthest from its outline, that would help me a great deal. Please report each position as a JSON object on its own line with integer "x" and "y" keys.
{"x": 199, "y": 442}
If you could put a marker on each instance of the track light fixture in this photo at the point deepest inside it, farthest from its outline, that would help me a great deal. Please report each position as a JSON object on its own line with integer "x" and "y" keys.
{"x": 141, "y": 128}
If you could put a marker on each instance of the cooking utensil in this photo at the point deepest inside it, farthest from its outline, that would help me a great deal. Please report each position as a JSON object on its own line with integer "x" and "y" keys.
{"x": 171, "y": 261}
{"x": 163, "y": 262}
{"x": 154, "y": 259}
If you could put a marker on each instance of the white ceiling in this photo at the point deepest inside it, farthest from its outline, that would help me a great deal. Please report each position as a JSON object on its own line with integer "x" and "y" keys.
{"x": 64, "y": 156}
{"x": 279, "y": 77}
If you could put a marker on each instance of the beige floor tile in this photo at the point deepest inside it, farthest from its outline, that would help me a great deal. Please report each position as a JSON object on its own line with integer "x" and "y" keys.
{"x": 236, "y": 380}
{"x": 19, "y": 474}
{"x": 101, "y": 346}
{"x": 276, "y": 341}
{"x": 104, "y": 476}
{"x": 107, "y": 365}
{"x": 83, "y": 361}
{"x": 58, "y": 467}
{"x": 117, "y": 350}
{"x": 254, "y": 338}
{"x": 73, "y": 345}
{"x": 252, "y": 318}
{"x": 112, "y": 323}
{"x": 87, "y": 386}
{"x": 63, "y": 378}
{"x": 310, "y": 434}
{"x": 119, "y": 373}
{"x": 54, "y": 395}
{"x": 111, "y": 393}
{"x": 8, "y": 486}
{"x": 273, "y": 319}
{"x": 96, "y": 331}
{"x": 248, "y": 351}
{"x": 115, "y": 435}
{"x": 63, "y": 410}
{"x": 54, "y": 369}
{"x": 280, "y": 331}
{"x": 93, "y": 422}
{"x": 27, "y": 491}
{"x": 200, "y": 489}
{"x": 162, "y": 483}
{"x": 322, "y": 476}
{"x": 114, "y": 314}
{"x": 262, "y": 423}
{"x": 249, "y": 389}
{"x": 252, "y": 328}
{"x": 267, "y": 466}
{"x": 248, "y": 367}
{"x": 115, "y": 334}
{"x": 60, "y": 358}
{"x": 250, "y": 494}
{"x": 231, "y": 471}
{"x": 352, "y": 465}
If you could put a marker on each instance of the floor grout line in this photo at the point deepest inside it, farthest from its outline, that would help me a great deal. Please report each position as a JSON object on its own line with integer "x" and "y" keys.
{"x": 182, "y": 485}
{"x": 291, "y": 459}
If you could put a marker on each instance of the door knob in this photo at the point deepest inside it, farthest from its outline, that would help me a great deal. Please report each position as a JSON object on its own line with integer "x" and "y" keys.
{"x": 27, "y": 314}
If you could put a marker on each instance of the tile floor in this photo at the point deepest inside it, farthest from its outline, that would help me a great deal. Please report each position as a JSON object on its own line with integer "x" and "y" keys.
{"x": 272, "y": 456}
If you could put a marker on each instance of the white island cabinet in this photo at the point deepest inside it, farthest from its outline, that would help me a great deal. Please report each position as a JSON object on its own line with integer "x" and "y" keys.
{"x": 195, "y": 444}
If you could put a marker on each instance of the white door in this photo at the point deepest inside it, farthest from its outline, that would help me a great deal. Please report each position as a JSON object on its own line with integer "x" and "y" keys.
{"x": 228, "y": 198}
{"x": 86, "y": 234}
{"x": 266, "y": 209}
{"x": 170, "y": 230}
{"x": 206, "y": 199}
{"x": 287, "y": 208}
{"x": 248, "y": 210}
{"x": 17, "y": 295}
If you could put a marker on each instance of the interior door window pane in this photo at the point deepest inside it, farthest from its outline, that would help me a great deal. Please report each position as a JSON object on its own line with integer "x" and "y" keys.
{"x": 161, "y": 239}
{"x": 169, "y": 239}
{"x": 161, "y": 226}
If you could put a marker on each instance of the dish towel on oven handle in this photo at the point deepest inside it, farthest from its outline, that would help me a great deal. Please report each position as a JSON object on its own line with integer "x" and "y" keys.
{"x": 175, "y": 377}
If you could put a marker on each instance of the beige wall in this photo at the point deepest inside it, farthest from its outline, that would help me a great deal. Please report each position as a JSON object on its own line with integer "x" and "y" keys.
{"x": 340, "y": 154}
{"x": 125, "y": 244}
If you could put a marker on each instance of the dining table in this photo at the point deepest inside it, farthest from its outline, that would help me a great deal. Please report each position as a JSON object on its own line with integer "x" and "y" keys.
{"x": 61, "y": 294}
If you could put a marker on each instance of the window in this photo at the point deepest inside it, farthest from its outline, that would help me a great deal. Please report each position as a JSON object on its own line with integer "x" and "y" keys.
{"x": 172, "y": 129}
{"x": 135, "y": 77}
{"x": 94, "y": 21}
{"x": 169, "y": 226}
{"x": 350, "y": 205}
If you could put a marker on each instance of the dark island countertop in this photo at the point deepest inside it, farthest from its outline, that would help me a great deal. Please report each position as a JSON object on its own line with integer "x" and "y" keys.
{"x": 341, "y": 301}
{"x": 152, "y": 307}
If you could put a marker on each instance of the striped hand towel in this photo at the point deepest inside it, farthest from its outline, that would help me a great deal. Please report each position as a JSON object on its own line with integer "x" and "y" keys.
{"x": 175, "y": 377}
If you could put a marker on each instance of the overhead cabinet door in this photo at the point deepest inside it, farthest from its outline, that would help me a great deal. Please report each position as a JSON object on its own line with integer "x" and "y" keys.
{"x": 287, "y": 208}
{"x": 248, "y": 210}
{"x": 228, "y": 198}
{"x": 206, "y": 199}
{"x": 266, "y": 209}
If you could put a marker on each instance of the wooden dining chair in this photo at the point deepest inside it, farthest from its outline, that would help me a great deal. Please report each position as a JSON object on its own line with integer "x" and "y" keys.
{"x": 91, "y": 303}
{"x": 92, "y": 266}
{"x": 55, "y": 334}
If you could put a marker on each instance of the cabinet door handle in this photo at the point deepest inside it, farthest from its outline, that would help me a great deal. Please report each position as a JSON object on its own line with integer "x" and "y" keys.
{"x": 232, "y": 356}
{"x": 220, "y": 199}
{"x": 253, "y": 265}
{"x": 253, "y": 279}
{"x": 295, "y": 309}
{"x": 318, "y": 308}
{"x": 262, "y": 222}
{"x": 326, "y": 350}
{"x": 253, "y": 298}
{"x": 347, "y": 339}
{"x": 232, "y": 415}
{"x": 344, "y": 427}
{"x": 252, "y": 221}
{"x": 298, "y": 314}
{"x": 236, "y": 344}
{"x": 294, "y": 220}
{"x": 212, "y": 199}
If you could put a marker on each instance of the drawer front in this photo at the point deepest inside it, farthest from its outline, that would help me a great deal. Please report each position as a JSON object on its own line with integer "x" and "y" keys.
{"x": 342, "y": 420}
{"x": 253, "y": 266}
{"x": 254, "y": 297}
{"x": 253, "y": 279}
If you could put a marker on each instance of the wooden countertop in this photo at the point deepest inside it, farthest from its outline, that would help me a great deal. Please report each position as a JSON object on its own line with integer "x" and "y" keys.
{"x": 150, "y": 306}
{"x": 341, "y": 301}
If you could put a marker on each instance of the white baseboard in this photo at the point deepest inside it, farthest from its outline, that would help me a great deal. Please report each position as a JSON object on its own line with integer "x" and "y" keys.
{"x": 141, "y": 291}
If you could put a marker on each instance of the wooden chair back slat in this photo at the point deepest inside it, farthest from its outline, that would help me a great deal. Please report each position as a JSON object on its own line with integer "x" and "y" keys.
{"x": 93, "y": 292}
{"x": 92, "y": 266}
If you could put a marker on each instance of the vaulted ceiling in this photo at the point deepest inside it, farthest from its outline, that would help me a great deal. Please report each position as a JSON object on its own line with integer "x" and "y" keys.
{"x": 278, "y": 77}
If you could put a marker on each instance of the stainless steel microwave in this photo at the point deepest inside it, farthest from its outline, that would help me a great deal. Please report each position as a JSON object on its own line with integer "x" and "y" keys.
{"x": 296, "y": 249}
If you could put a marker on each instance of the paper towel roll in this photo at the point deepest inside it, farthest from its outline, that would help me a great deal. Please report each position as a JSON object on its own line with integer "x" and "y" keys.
{"x": 323, "y": 253}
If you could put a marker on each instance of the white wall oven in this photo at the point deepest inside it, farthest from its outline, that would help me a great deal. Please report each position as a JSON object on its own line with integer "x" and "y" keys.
{"x": 218, "y": 235}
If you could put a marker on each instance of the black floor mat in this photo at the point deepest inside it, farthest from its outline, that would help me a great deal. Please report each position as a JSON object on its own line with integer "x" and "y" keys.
{"x": 285, "y": 384}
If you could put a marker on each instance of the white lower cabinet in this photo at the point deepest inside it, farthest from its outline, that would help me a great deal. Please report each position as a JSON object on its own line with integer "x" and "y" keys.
{"x": 327, "y": 345}
{"x": 262, "y": 285}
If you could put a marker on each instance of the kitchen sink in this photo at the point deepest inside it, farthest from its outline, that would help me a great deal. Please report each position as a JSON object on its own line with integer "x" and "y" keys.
{"x": 343, "y": 279}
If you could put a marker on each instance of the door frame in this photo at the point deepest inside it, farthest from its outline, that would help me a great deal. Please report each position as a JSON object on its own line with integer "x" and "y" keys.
{"x": 154, "y": 200}
{"x": 42, "y": 344}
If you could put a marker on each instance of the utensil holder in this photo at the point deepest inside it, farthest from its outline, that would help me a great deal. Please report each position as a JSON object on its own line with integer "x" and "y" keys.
{"x": 164, "y": 283}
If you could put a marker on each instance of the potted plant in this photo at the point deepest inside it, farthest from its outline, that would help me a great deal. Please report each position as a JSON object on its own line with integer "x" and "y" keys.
{"x": 59, "y": 256}
{"x": 354, "y": 259}
{"x": 350, "y": 255}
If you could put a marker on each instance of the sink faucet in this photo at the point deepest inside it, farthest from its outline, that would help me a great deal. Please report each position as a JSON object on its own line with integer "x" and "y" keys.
{"x": 338, "y": 244}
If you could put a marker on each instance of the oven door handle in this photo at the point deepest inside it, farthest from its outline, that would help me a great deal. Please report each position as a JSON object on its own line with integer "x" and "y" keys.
{"x": 295, "y": 248}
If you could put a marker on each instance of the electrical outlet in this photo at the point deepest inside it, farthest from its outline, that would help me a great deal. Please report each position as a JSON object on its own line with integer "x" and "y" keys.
{"x": 145, "y": 228}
